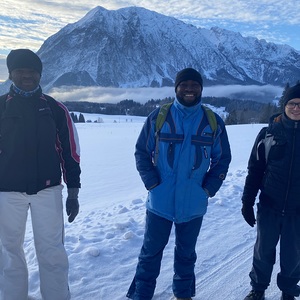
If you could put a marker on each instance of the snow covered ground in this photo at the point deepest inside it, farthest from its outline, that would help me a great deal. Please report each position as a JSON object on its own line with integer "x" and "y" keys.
{"x": 104, "y": 241}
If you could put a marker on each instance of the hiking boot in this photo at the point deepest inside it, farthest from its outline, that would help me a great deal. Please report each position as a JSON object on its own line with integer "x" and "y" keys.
{"x": 255, "y": 295}
{"x": 285, "y": 296}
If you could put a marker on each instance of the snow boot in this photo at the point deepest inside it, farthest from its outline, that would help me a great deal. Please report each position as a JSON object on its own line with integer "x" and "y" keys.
{"x": 255, "y": 295}
{"x": 183, "y": 298}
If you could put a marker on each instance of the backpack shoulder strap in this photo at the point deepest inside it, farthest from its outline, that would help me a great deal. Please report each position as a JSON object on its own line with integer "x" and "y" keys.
{"x": 160, "y": 120}
{"x": 162, "y": 115}
{"x": 163, "y": 112}
{"x": 210, "y": 115}
{"x": 268, "y": 140}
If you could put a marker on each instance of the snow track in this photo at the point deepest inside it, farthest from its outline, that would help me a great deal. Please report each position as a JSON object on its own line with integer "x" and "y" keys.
{"x": 104, "y": 241}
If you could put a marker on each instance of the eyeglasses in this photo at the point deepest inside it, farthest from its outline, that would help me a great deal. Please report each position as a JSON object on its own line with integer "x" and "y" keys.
{"x": 292, "y": 105}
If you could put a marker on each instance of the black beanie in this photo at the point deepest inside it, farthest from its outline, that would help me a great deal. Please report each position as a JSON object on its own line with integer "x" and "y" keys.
{"x": 188, "y": 74}
{"x": 291, "y": 93}
{"x": 23, "y": 58}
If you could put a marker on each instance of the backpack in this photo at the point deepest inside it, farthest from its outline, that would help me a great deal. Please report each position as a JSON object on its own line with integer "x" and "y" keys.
{"x": 162, "y": 115}
{"x": 268, "y": 141}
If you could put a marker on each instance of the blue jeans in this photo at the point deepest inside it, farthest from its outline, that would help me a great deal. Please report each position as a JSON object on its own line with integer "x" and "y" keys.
{"x": 156, "y": 237}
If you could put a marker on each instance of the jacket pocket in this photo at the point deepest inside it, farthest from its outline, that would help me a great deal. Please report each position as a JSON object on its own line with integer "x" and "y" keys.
{"x": 161, "y": 198}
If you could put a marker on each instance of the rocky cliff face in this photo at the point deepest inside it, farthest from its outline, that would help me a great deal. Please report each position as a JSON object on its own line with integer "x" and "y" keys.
{"x": 135, "y": 47}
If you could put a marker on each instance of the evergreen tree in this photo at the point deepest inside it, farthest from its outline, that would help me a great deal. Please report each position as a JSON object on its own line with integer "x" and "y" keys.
{"x": 74, "y": 117}
{"x": 81, "y": 118}
{"x": 243, "y": 117}
{"x": 281, "y": 100}
{"x": 268, "y": 111}
{"x": 231, "y": 118}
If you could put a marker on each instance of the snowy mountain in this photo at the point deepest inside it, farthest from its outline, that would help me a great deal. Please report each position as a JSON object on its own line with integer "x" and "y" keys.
{"x": 136, "y": 47}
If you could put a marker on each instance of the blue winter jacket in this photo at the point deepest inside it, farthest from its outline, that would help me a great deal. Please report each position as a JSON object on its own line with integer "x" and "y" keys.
{"x": 191, "y": 164}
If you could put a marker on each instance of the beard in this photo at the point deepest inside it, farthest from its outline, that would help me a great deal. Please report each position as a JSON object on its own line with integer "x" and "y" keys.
{"x": 189, "y": 104}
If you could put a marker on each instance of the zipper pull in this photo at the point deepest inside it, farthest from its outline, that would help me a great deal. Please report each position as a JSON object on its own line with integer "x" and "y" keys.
{"x": 205, "y": 152}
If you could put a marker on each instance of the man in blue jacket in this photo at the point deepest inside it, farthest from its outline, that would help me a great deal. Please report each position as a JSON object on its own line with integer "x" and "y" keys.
{"x": 190, "y": 167}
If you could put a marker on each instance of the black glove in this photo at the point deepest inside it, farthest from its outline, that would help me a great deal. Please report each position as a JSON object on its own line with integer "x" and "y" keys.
{"x": 72, "y": 204}
{"x": 248, "y": 214}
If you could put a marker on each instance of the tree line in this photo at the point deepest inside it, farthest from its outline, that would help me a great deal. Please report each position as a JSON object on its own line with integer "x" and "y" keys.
{"x": 238, "y": 111}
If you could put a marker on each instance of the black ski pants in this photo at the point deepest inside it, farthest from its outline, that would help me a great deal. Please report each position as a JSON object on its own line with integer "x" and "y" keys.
{"x": 273, "y": 227}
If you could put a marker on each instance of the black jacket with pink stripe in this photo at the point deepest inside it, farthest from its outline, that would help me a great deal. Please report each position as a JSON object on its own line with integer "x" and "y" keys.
{"x": 38, "y": 144}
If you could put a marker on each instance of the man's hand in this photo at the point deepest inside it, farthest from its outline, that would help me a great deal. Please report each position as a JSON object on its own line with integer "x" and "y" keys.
{"x": 72, "y": 204}
{"x": 248, "y": 214}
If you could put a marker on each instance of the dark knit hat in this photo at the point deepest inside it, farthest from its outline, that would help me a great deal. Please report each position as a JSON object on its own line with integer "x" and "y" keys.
{"x": 188, "y": 74}
{"x": 23, "y": 58}
{"x": 291, "y": 93}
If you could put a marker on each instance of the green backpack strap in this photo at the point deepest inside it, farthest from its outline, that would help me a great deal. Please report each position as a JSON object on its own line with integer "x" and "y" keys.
{"x": 211, "y": 119}
{"x": 162, "y": 115}
{"x": 160, "y": 120}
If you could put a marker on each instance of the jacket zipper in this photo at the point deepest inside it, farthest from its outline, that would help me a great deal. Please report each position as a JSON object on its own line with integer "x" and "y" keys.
{"x": 290, "y": 169}
{"x": 194, "y": 167}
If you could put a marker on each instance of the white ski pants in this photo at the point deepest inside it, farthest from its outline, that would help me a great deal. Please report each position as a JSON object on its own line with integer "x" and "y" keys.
{"x": 46, "y": 210}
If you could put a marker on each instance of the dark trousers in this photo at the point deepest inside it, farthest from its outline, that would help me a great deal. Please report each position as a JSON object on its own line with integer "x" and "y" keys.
{"x": 156, "y": 237}
{"x": 272, "y": 227}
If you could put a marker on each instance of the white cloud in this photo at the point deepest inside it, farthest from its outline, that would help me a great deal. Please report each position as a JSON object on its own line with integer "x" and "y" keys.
{"x": 111, "y": 95}
{"x": 44, "y": 18}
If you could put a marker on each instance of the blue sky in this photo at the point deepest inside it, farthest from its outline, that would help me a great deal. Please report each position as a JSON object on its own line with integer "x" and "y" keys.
{"x": 27, "y": 23}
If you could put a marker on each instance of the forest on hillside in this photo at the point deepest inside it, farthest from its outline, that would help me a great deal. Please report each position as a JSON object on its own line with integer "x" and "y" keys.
{"x": 239, "y": 111}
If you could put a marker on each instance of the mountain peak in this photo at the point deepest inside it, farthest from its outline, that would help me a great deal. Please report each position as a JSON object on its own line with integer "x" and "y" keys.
{"x": 136, "y": 47}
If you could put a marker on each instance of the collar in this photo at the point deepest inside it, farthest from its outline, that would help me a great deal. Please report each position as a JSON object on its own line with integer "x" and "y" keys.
{"x": 24, "y": 94}
{"x": 186, "y": 110}
{"x": 284, "y": 120}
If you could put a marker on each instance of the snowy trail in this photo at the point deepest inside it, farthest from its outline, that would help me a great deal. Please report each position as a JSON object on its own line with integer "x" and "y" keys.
{"x": 104, "y": 241}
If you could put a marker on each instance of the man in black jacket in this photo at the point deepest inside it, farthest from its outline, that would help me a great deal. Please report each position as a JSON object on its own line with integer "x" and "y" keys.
{"x": 274, "y": 169}
{"x": 38, "y": 144}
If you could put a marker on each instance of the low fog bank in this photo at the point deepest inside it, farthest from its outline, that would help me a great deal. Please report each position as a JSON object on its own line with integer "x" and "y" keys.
{"x": 266, "y": 93}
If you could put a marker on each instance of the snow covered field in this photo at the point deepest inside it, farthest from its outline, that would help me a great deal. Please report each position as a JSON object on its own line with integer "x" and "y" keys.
{"x": 104, "y": 241}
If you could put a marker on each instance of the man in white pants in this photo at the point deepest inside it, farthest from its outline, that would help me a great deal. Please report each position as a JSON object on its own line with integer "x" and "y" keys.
{"x": 38, "y": 145}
